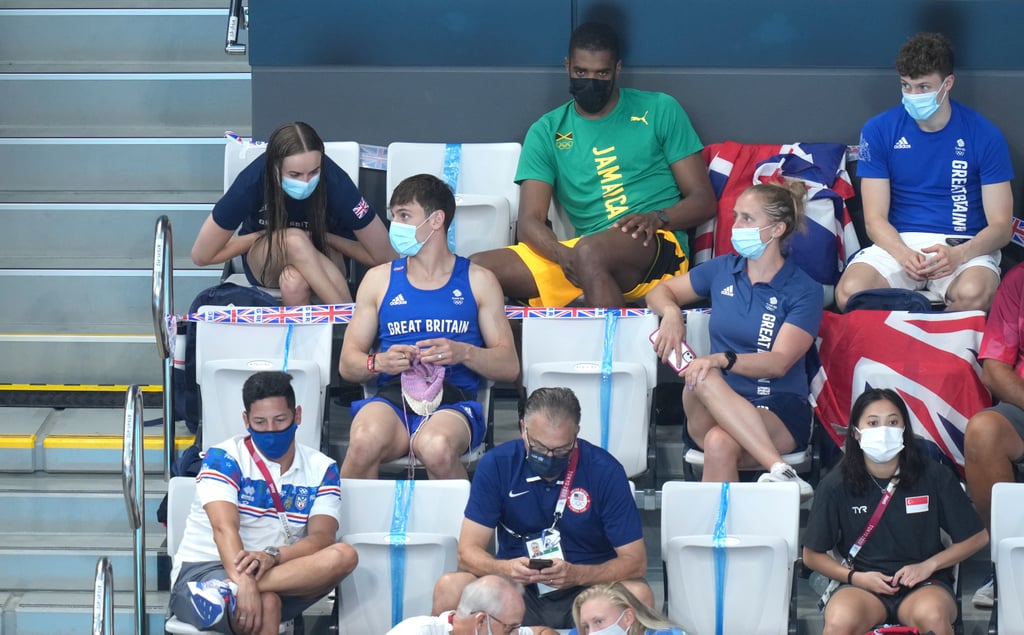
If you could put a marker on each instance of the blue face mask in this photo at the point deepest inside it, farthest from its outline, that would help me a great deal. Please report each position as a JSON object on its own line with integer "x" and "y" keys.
{"x": 403, "y": 238}
{"x": 273, "y": 445}
{"x": 922, "y": 105}
{"x": 545, "y": 465}
{"x": 299, "y": 190}
{"x": 747, "y": 241}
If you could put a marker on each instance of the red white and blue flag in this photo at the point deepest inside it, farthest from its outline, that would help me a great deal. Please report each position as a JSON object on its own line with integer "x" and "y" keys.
{"x": 1018, "y": 232}
{"x": 829, "y": 241}
{"x": 929, "y": 359}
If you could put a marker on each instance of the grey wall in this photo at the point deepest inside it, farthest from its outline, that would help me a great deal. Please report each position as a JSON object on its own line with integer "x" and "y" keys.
{"x": 478, "y": 70}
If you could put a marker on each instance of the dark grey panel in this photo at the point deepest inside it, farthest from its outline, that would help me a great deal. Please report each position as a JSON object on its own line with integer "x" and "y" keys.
{"x": 808, "y": 33}
{"x": 749, "y": 105}
{"x": 409, "y": 32}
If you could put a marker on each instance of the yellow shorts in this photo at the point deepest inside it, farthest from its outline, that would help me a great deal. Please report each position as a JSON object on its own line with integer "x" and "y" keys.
{"x": 556, "y": 290}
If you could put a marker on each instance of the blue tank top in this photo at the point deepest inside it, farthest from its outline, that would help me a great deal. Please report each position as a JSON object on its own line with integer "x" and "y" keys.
{"x": 409, "y": 315}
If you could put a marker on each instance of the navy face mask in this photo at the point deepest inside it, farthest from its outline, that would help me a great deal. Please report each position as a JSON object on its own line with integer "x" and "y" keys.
{"x": 545, "y": 465}
{"x": 274, "y": 445}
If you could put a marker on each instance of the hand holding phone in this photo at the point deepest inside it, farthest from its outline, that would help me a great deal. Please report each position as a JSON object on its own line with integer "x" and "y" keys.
{"x": 673, "y": 359}
{"x": 539, "y": 563}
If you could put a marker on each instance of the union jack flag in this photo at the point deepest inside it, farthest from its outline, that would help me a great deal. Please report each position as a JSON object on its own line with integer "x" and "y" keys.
{"x": 1018, "y": 232}
{"x": 361, "y": 209}
{"x": 373, "y": 157}
{"x": 830, "y": 240}
{"x": 929, "y": 359}
{"x": 331, "y": 313}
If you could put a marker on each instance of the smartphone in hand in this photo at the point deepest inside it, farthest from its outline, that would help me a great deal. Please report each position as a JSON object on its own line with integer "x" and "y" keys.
{"x": 673, "y": 359}
{"x": 539, "y": 563}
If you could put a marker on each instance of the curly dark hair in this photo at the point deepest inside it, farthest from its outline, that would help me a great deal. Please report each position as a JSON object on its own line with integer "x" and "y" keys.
{"x": 923, "y": 54}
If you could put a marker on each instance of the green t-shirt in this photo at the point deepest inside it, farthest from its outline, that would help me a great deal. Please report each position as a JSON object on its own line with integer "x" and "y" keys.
{"x": 617, "y": 165}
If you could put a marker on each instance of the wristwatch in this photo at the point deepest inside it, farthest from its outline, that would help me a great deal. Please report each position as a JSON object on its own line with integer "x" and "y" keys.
{"x": 662, "y": 216}
{"x": 274, "y": 553}
{"x": 730, "y": 358}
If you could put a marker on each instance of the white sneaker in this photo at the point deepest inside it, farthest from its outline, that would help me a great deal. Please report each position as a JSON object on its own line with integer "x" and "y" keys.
{"x": 211, "y": 599}
{"x": 984, "y": 597}
{"x": 784, "y": 473}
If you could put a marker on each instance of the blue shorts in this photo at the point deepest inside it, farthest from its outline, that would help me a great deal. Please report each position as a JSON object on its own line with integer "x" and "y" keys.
{"x": 792, "y": 410}
{"x": 473, "y": 411}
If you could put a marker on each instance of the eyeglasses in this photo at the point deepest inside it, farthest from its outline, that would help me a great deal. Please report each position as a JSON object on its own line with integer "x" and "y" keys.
{"x": 506, "y": 629}
{"x": 540, "y": 448}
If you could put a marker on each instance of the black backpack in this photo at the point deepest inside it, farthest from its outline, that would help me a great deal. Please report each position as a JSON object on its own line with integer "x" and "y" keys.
{"x": 889, "y": 300}
{"x": 187, "y": 404}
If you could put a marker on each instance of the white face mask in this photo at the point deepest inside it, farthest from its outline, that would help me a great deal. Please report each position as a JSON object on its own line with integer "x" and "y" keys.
{"x": 612, "y": 629}
{"x": 881, "y": 443}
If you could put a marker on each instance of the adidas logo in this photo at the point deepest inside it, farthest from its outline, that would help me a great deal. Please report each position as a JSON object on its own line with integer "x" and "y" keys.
{"x": 902, "y": 144}
{"x": 398, "y": 300}
{"x": 727, "y": 292}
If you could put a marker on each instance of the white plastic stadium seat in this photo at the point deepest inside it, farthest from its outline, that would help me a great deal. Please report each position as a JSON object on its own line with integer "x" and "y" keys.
{"x": 486, "y": 196}
{"x": 227, "y": 354}
{"x": 761, "y": 527}
{"x": 569, "y": 352}
{"x": 472, "y": 455}
{"x": 435, "y": 514}
{"x": 238, "y": 155}
{"x": 1007, "y": 542}
{"x": 699, "y": 339}
{"x": 180, "y": 492}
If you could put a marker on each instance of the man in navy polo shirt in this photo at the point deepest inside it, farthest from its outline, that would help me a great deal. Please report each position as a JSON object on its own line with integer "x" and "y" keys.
{"x": 553, "y": 493}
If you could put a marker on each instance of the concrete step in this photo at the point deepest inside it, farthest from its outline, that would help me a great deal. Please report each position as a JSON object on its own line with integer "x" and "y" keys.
{"x": 84, "y": 239}
{"x": 90, "y": 301}
{"x": 162, "y": 167}
{"x": 85, "y": 441}
{"x": 67, "y": 561}
{"x": 172, "y": 38}
{"x": 70, "y": 612}
{"x": 124, "y": 104}
{"x": 43, "y": 502}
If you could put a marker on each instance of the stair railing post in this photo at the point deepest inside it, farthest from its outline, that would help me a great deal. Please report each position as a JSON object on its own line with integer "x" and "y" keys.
{"x": 133, "y": 484}
{"x": 103, "y": 598}
{"x": 235, "y": 23}
{"x": 163, "y": 307}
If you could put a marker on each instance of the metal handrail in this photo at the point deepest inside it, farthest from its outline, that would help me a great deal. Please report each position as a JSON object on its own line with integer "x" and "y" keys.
{"x": 133, "y": 484}
{"x": 162, "y": 305}
{"x": 235, "y": 23}
{"x": 103, "y": 598}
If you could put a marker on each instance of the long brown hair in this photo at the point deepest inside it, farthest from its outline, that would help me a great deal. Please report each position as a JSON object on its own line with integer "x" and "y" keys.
{"x": 290, "y": 139}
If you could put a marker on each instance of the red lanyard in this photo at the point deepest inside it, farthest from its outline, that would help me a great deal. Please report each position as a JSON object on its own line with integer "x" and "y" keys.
{"x": 875, "y": 517}
{"x": 274, "y": 494}
{"x": 563, "y": 495}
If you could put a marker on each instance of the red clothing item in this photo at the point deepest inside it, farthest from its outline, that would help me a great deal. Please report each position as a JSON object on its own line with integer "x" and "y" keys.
{"x": 1004, "y": 331}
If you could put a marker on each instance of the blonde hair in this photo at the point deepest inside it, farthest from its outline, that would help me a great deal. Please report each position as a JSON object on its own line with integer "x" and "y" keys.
{"x": 620, "y": 596}
{"x": 783, "y": 203}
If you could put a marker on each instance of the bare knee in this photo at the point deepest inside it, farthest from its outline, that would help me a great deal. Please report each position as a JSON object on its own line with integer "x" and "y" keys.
{"x": 986, "y": 437}
{"x": 437, "y": 451}
{"x": 973, "y": 296}
{"x": 448, "y": 590}
{"x": 720, "y": 448}
{"x": 294, "y": 288}
{"x": 271, "y": 603}
{"x": 341, "y": 558}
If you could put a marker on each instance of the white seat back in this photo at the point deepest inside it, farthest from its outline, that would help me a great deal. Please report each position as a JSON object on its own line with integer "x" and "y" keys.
{"x": 238, "y": 155}
{"x": 180, "y": 492}
{"x": 1007, "y": 542}
{"x": 761, "y": 526}
{"x": 486, "y": 196}
{"x": 432, "y": 527}
{"x": 569, "y": 352}
{"x": 227, "y": 354}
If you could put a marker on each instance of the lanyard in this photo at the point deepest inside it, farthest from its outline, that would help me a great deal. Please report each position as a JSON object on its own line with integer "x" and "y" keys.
{"x": 563, "y": 495}
{"x": 873, "y": 522}
{"x": 278, "y": 505}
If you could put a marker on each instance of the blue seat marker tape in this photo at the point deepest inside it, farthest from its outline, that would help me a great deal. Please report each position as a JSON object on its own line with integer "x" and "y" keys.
{"x": 452, "y": 169}
{"x": 611, "y": 320}
{"x": 396, "y": 548}
{"x": 718, "y": 551}
{"x": 287, "y": 348}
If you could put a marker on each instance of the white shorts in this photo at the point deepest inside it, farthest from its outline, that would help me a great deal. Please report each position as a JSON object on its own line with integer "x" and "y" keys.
{"x": 893, "y": 272}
